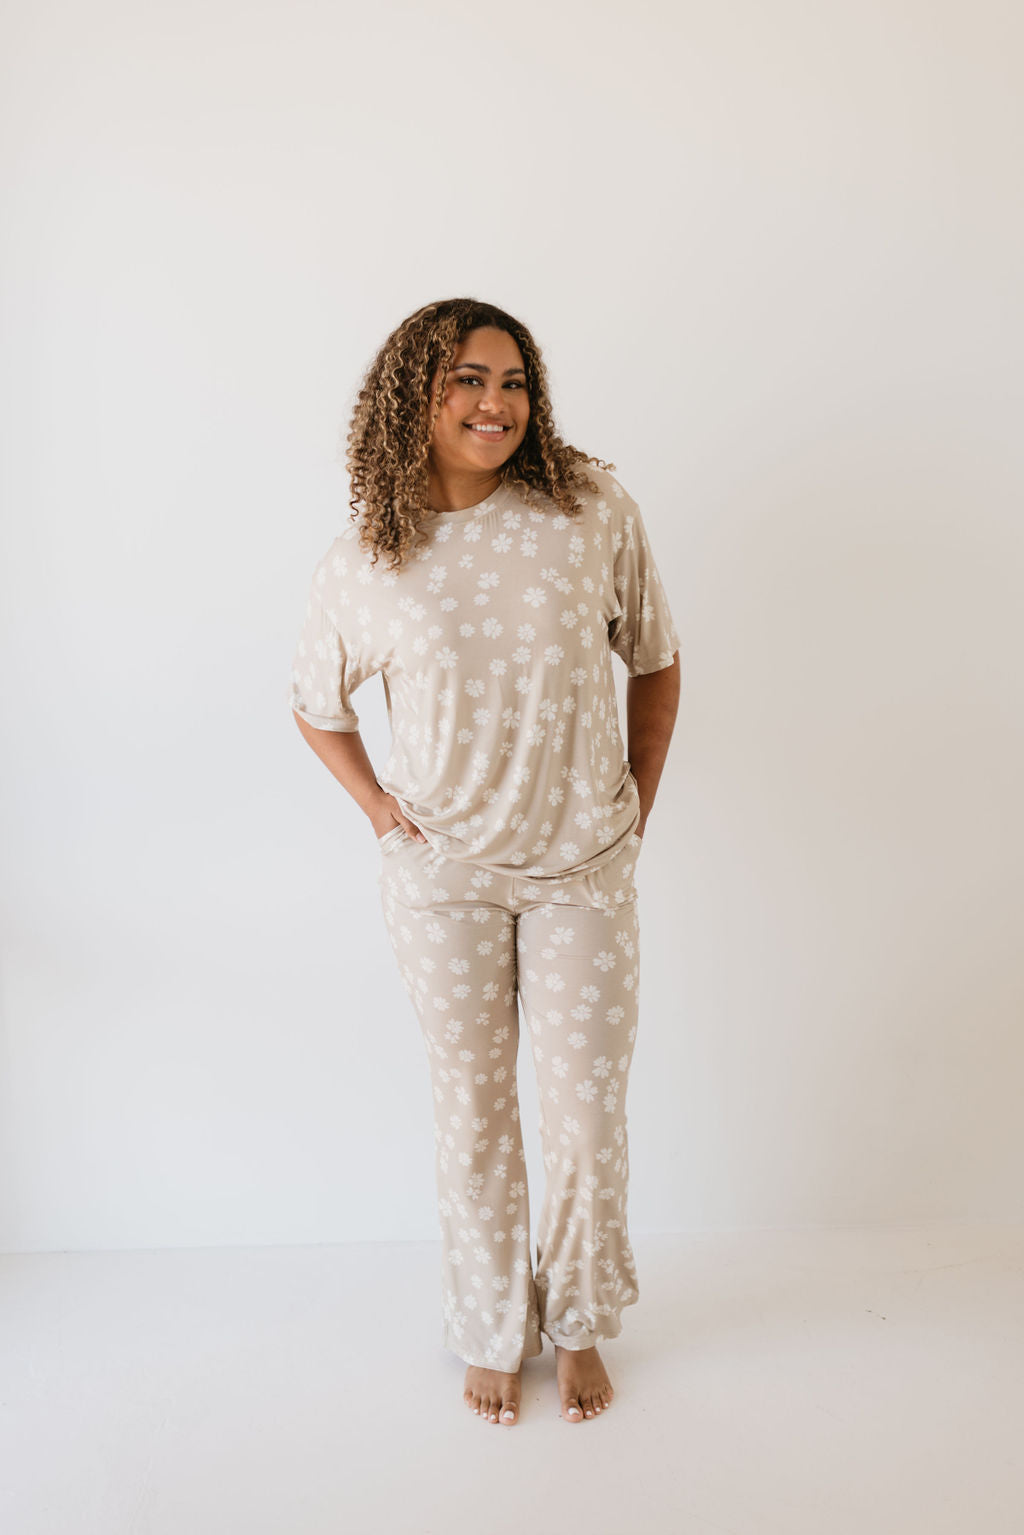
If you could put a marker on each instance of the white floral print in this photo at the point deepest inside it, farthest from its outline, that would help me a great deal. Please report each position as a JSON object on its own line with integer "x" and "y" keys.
{"x": 497, "y": 661}
{"x": 494, "y": 641}
{"x": 585, "y": 1273}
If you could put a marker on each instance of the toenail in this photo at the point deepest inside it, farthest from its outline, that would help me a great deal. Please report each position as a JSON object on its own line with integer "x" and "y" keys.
{"x": 590, "y": 1414}
{"x": 508, "y": 1413}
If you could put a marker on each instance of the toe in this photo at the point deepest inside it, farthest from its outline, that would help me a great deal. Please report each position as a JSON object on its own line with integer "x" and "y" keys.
{"x": 509, "y": 1411}
{"x": 571, "y": 1410}
{"x": 588, "y": 1406}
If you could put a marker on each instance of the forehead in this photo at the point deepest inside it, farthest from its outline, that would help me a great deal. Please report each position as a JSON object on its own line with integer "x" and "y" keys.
{"x": 496, "y": 348}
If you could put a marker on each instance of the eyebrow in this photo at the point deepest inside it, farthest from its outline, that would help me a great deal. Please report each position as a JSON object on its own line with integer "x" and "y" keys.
{"x": 481, "y": 368}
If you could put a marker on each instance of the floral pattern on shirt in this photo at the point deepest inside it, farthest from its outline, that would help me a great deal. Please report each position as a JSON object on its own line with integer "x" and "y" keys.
{"x": 495, "y": 642}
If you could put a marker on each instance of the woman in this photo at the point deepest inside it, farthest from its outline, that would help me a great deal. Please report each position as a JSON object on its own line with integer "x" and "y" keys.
{"x": 489, "y": 574}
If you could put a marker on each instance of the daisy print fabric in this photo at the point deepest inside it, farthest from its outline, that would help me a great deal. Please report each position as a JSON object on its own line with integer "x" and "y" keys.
{"x": 495, "y": 643}
{"x": 474, "y": 949}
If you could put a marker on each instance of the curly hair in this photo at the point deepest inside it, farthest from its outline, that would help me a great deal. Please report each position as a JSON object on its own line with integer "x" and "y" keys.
{"x": 393, "y": 420}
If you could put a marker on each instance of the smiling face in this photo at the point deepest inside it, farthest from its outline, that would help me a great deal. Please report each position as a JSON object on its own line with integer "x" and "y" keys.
{"x": 485, "y": 409}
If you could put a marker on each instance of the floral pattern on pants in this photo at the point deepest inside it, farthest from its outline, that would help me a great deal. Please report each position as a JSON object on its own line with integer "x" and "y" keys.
{"x": 469, "y": 942}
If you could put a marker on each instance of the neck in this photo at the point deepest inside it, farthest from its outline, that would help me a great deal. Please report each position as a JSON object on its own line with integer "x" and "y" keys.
{"x": 453, "y": 491}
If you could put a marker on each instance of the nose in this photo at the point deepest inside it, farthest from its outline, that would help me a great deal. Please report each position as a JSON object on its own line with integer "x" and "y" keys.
{"x": 490, "y": 398}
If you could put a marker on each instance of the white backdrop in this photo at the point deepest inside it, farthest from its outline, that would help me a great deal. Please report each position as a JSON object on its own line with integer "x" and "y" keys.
{"x": 773, "y": 256}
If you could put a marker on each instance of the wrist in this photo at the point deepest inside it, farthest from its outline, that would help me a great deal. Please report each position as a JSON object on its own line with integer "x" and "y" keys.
{"x": 373, "y": 803}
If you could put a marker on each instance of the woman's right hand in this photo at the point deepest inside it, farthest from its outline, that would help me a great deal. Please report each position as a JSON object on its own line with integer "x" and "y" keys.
{"x": 387, "y": 814}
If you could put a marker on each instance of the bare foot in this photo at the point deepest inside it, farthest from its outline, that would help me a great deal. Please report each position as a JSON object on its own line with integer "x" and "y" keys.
{"x": 493, "y": 1394}
{"x": 583, "y": 1384}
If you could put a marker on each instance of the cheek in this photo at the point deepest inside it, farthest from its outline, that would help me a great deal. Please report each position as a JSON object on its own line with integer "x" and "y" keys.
{"x": 455, "y": 405}
{"x": 448, "y": 417}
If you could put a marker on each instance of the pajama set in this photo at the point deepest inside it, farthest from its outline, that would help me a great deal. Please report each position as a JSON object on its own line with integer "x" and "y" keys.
{"x": 494, "y": 641}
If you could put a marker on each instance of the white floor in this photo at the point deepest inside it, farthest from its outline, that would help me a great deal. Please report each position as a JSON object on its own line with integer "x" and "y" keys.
{"x": 868, "y": 1381}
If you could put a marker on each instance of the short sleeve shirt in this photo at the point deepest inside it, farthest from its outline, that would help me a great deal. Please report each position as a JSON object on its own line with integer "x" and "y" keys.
{"x": 495, "y": 642}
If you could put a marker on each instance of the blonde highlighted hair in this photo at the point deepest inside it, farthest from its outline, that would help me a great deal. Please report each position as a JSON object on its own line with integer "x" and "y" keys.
{"x": 393, "y": 420}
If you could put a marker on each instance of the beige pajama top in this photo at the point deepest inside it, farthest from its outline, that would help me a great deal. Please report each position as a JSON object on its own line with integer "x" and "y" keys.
{"x": 495, "y": 644}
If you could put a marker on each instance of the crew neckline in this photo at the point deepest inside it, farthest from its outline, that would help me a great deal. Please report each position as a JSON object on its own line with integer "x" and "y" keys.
{"x": 480, "y": 509}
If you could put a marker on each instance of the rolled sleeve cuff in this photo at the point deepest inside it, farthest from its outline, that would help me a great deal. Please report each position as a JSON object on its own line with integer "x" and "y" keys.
{"x": 328, "y": 722}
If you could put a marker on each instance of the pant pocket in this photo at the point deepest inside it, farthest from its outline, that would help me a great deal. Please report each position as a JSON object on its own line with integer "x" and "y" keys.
{"x": 391, "y": 837}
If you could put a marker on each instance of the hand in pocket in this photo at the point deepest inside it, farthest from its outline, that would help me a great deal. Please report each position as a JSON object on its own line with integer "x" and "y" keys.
{"x": 390, "y": 815}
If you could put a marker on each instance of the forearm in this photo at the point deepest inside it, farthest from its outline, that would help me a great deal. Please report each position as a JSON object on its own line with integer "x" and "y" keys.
{"x": 343, "y": 754}
{"x": 652, "y": 702}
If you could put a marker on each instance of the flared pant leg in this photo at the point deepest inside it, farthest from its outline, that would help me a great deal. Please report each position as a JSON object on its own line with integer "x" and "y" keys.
{"x": 456, "y": 955}
{"x": 578, "y": 981}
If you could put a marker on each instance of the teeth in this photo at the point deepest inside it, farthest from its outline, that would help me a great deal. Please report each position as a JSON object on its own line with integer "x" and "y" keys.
{"x": 476, "y": 428}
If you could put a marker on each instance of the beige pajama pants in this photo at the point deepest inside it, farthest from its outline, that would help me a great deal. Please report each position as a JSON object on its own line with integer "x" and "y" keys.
{"x": 468, "y": 942}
